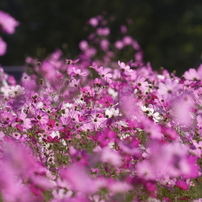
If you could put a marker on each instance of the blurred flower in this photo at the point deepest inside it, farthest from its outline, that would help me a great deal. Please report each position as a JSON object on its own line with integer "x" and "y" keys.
{"x": 94, "y": 22}
{"x": 7, "y": 23}
{"x": 3, "y": 47}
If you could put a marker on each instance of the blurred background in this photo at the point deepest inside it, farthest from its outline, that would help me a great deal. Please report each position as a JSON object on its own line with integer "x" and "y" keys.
{"x": 169, "y": 31}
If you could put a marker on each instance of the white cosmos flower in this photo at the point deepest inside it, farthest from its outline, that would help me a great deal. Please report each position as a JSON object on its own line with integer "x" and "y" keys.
{"x": 150, "y": 112}
{"x": 12, "y": 91}
{"x": 111, "y": 112}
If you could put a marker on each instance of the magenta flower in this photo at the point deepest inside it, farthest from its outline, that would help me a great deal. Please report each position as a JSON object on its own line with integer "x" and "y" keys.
{"x": 7, "y": 23}
{"x": 105, "y": 137}
{"x": 182, "y": 185}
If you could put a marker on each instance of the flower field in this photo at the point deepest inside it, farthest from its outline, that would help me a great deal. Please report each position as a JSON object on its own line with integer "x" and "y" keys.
{"x": 97, "y": 129}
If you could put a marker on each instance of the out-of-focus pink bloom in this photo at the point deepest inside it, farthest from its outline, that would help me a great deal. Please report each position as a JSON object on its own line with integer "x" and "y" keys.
{"x": 130, "y": 148}
{"x": 7, "y": 23}
{"x": 139, "y": 56}
{"x": 83, "y": 45}
{"x": 94, "y": 22}
{"x": 90, "y": 52}
{"x": 127, "y": 40}
{"x": 78, "y": 179}
{"x": 118, "y": 186}
{"x": 110, "y": 156}
{"x": 119, "y": 44}
{"x": 3, "y": 47}
{"x": 123, "y": 29}
{"x": 103, "y": 31}
{"x": 135, "y": 45}
{"x": 183, "y": 109}
{"x": 173, "y": 162}
{"x": 2, "y": 135}
{"x": 128, "y": 103}
{"x": 104, "y": 44}
{"x": 22, "y": 174}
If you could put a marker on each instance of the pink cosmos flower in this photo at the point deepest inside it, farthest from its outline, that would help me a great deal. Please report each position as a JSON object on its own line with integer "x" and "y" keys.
{"x": 7, "y": 118}
{"x": 3, "y": 47}
{"x": 78, "y": 72}
{"x": 41, "y": 117}
{"x": 74, "y": 82}
{"x": 193, "y": 75}
{"x": 125, "y": 68}
{"x": 96, "y": 119}
{"x": 23, "y": 121}
{"x": 12, "y": 91}
{"x": 7, "y": 23}
{"x": 168, "y": 88}
{"x": 105, "y": 73}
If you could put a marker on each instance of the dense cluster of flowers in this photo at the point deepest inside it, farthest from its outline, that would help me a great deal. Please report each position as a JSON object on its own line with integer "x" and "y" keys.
{"x": 97, "y": 130}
